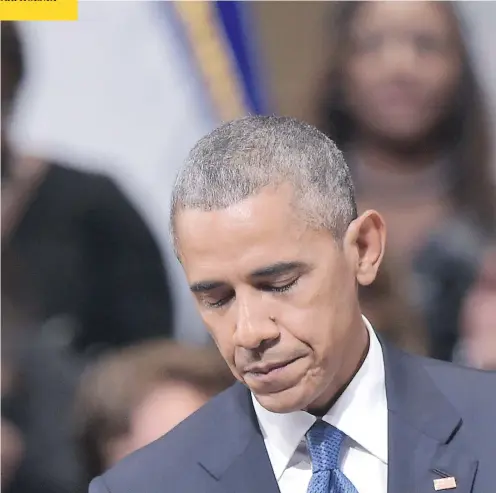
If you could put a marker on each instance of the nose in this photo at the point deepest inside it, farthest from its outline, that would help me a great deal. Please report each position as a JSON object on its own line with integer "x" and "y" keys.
{"x": 254, "y": 325}
{"x": 400, "y": 57}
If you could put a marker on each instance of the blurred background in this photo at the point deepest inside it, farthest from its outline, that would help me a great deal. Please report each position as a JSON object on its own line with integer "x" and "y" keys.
{"x": 102, "y": 350}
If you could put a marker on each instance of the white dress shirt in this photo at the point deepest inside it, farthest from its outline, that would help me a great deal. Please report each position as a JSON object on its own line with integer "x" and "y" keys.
{"x": 360, "y": 412}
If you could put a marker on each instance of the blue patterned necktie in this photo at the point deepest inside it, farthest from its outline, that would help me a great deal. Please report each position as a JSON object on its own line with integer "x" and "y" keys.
{"x": 324, "y": 444}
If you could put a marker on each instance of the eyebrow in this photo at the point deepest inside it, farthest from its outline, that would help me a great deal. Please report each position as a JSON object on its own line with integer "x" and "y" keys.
{"x": 277, "y": 269}
{"x": 203, "y": 286}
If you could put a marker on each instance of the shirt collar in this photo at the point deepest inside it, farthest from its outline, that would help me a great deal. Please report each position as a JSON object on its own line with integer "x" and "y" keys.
{"x": 360, "y": 413}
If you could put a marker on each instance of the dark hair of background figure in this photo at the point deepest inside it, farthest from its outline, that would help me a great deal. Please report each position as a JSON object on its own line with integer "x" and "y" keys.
{"x": 12, "y": 70}
{"x": 12, "y": 62}
{"x": 465, "y": 128}
{"x": 12, "y": 75}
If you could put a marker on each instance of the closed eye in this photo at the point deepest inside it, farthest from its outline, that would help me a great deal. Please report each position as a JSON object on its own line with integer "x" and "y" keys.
{"x": 216, "y": 300}
{"x": 280, "y": 289}
{"x": 268, "y": 288}
{"x": 219, "y": 303}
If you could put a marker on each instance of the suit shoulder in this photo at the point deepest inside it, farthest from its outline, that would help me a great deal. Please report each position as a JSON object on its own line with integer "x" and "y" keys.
{"x": 165, "y": 460}
{"x": 454, "y": 372}
{"x": 471, "y": 391}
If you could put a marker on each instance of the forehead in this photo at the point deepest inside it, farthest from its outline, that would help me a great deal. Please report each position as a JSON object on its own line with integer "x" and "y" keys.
{"x": 401, "y": 16}
{"x": 256, "y": 232}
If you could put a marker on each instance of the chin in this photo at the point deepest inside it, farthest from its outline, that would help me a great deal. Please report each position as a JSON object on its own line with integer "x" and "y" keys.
{"x": 286, "y": 401}
{"x": 403, "y": 133}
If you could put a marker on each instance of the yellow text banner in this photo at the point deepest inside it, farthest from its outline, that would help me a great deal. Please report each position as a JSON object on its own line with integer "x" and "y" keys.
{"x": 38, "y": 10}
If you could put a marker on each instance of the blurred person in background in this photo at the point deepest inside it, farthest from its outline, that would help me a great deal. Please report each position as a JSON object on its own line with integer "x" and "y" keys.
{"x": 38, "y": 383}
{"x": 12, "y": 451}
{"x": 94, "y": 272}
{"x": 12, "y": 444}
{"x": 478, "y": 344}
{"x": 133, "y": 396}
{"x": 402, "y": 100}
{"x": 385, "y": 304}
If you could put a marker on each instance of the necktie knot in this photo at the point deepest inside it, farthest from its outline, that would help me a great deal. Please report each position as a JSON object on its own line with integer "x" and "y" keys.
{"x": 324, "y": 445}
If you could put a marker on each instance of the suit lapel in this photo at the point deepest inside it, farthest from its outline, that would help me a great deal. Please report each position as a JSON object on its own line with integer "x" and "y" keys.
{"x": 251, "y": 472}
{"x": 425, "y": 433}
{"x": 239, "y": 461}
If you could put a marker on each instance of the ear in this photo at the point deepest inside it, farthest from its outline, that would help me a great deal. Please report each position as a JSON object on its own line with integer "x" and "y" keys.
{"x": 364, "y": 245}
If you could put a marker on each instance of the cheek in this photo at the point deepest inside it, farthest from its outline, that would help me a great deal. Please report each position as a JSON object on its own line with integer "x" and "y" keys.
{"x": 443, "y": 81}
{"x": 223, "y": 335}
{"x": 321, "y": 317}
{"x": 359, "y": 78}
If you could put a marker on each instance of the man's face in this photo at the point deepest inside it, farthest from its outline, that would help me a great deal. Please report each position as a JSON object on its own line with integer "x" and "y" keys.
{"x": 278, "y": 297}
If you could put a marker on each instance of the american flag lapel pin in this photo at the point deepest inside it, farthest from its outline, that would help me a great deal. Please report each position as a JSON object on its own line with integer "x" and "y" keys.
{"x": 448, "y": 483}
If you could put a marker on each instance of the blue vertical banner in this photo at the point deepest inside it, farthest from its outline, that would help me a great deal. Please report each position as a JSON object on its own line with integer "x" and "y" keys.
{"x": 235, "y": 19}
{"x": 222, "y": 40}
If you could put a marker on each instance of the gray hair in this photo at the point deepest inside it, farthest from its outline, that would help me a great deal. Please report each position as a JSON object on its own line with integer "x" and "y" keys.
{"x": 240, "y": 158}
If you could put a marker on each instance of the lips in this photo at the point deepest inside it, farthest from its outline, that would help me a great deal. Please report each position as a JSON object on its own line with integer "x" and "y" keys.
{"x": 274, "y": 377}
{"x": 266, "y": 368}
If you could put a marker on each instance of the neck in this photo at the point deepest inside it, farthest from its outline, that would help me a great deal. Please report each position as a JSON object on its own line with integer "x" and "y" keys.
{"x": 353, "y": 362}
{"x": 397, "y": 159}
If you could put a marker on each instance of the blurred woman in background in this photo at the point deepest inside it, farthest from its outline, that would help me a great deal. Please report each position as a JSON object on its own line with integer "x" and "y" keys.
{"x": 402, "y": 101}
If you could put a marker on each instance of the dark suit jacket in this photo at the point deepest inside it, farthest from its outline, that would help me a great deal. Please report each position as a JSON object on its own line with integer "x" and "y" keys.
{"x": 441, "y": 423}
